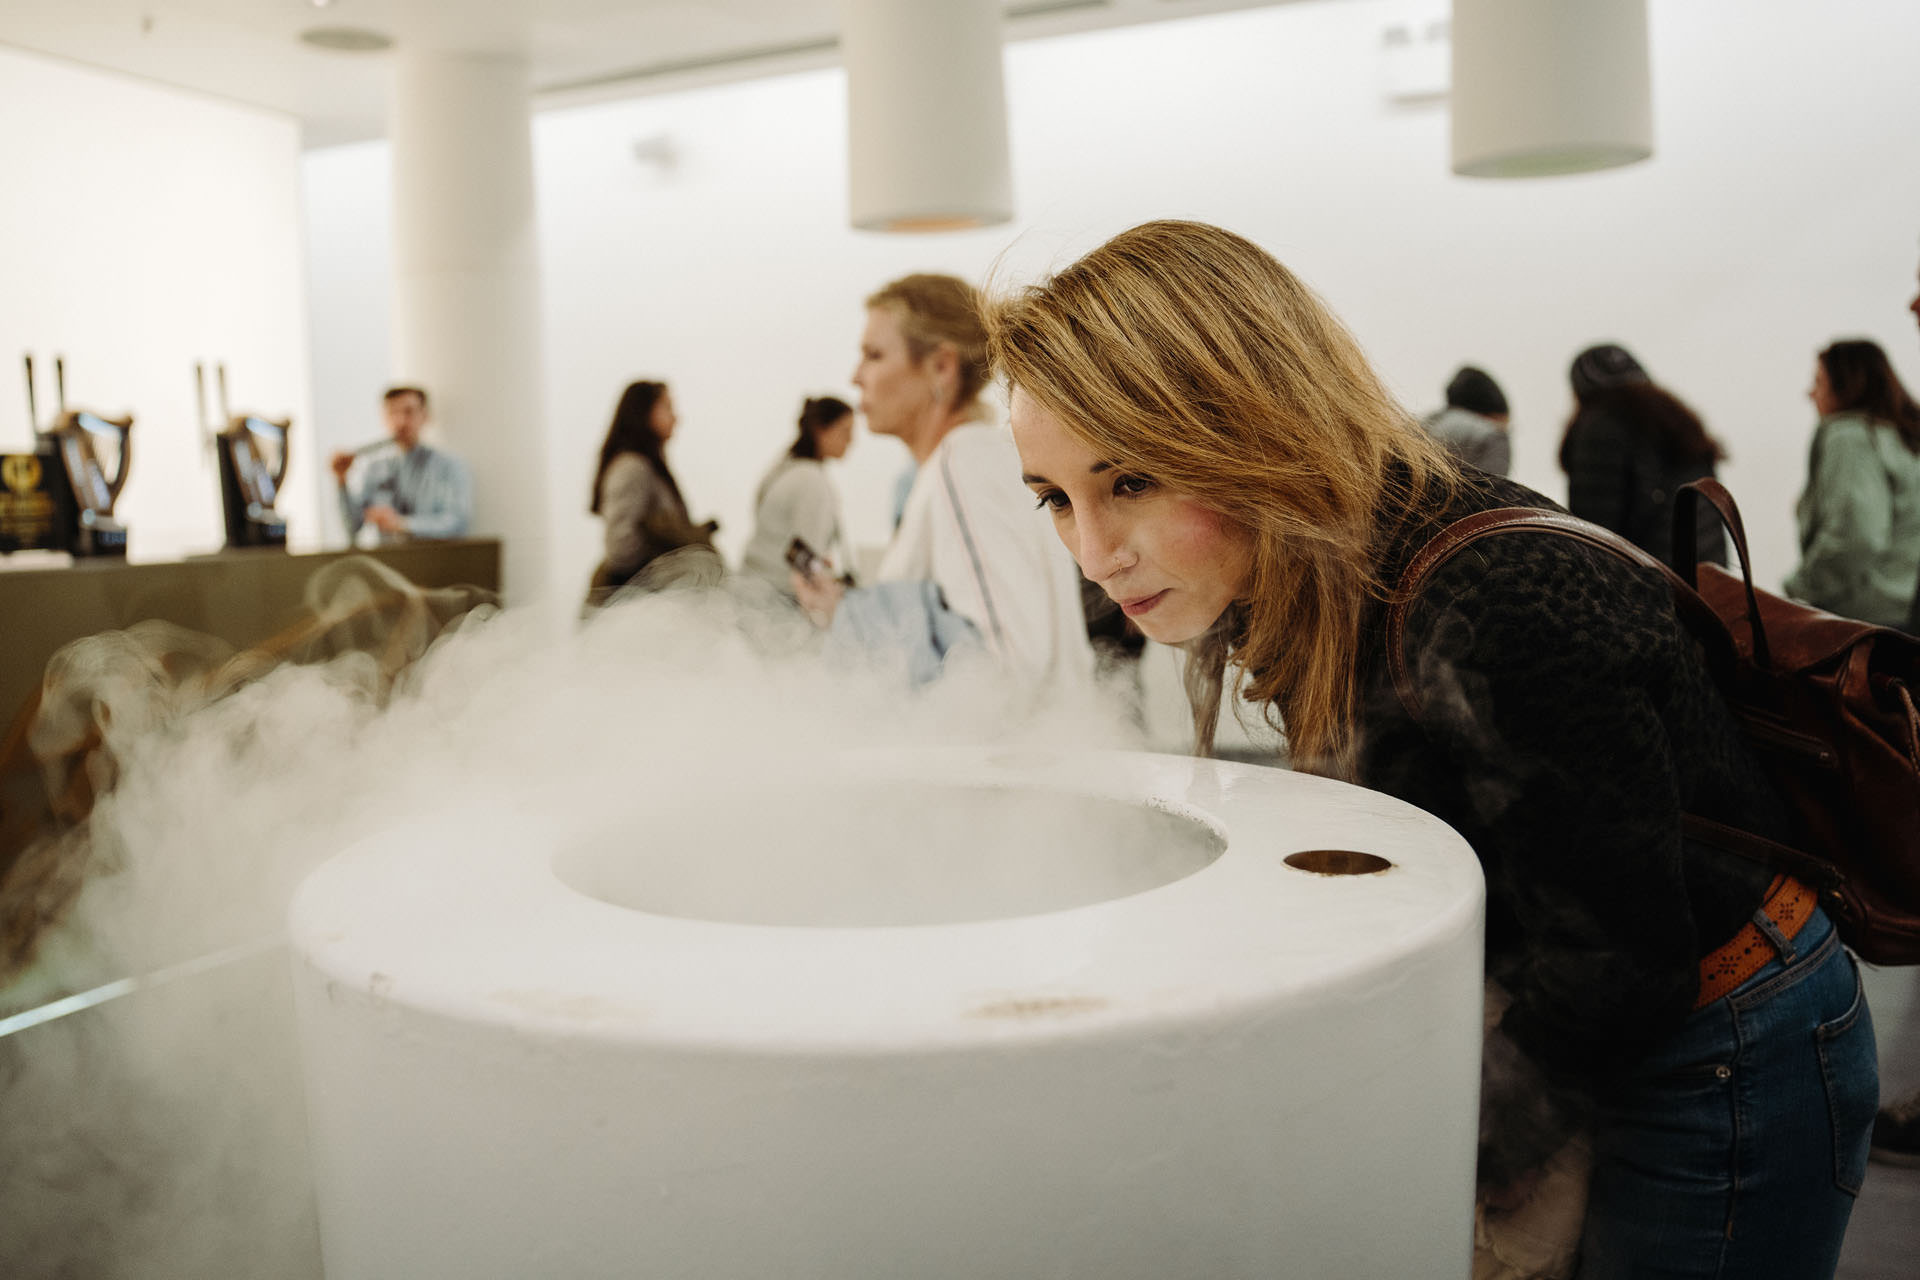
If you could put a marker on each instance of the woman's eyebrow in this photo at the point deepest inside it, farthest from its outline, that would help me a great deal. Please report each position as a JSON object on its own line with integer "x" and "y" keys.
{"x": 1093, "y": 470}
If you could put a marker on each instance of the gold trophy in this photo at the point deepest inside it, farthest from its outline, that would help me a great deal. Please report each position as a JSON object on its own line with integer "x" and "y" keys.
{"x": 252, "y": 453}
{"x": 83, "y": 448}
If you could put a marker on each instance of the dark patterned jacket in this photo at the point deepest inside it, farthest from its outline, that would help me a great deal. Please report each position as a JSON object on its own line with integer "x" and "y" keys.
{"x": 1569, "y": 720}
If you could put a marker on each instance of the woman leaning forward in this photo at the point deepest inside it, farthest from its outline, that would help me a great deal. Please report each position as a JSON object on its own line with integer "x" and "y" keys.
{"x": 1221, "y": 459}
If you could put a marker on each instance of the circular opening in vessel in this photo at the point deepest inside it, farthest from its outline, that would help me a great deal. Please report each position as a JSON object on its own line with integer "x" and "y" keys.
{"x": 841, "y": 856}
{"x": 1337, "y": 862}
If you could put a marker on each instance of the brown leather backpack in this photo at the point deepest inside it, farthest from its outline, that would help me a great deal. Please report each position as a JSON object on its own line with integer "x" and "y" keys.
{"x": 1827, "y": 702}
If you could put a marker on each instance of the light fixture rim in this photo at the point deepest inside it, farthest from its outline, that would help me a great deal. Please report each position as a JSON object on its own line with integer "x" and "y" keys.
{"x": 961, "y": 220}
{"x": 1585, "y": 158}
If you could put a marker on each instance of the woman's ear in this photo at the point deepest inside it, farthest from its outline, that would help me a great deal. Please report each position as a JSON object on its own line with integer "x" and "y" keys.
{"x": 943, "y": 364}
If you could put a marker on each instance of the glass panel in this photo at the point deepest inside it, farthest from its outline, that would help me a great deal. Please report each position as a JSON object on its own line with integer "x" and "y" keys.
{"x": 105, "y": 440}
{"x": 270, "y": 457}
{"x": 83, "y": 470}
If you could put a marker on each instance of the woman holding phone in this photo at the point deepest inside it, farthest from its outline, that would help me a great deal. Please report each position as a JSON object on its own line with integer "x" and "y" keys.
{"x": 796, "y": 498}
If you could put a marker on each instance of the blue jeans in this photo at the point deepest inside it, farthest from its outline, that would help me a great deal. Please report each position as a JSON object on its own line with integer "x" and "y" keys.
{"x": 1736, "y": 1149}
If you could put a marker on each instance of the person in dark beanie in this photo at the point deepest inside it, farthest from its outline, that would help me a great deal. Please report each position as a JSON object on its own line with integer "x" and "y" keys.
{"x": 1473, "y": 426}
{"x": 1629, "y": 447}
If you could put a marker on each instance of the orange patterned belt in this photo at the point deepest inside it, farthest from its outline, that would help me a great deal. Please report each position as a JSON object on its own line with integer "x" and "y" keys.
{"x": 1789, "y": 904}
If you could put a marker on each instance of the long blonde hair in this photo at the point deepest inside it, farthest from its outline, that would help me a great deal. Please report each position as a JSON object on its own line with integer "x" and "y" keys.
{"x": 1188, "y": 354}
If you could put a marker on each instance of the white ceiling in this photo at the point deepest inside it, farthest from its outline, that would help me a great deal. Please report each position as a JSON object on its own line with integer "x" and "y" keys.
{"x": 250, "y": 51}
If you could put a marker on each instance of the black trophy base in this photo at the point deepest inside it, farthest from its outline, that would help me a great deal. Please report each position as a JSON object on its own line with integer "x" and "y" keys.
{"x": 261, "y": 531}
{"x": 100, "y": 538}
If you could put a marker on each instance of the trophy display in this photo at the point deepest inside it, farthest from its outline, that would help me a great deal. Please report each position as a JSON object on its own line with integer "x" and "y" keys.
{"x": 79, "y": 466}
{"x": 36, "y": 507}
{"x": 252, "y": 454}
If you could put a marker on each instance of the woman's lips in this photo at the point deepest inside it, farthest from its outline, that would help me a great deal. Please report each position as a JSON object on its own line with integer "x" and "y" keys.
{"x": 1142, "y": 604}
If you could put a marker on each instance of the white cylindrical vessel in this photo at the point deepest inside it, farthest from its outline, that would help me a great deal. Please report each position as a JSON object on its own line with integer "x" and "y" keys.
{"x": 933, "y": 1015}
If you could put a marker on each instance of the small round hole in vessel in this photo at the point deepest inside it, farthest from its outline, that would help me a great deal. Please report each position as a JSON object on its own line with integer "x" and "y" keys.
{"x": 1337, "y": 862}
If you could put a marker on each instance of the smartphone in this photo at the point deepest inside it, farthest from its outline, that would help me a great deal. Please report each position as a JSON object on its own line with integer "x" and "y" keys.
{"x": 805, "y": 559}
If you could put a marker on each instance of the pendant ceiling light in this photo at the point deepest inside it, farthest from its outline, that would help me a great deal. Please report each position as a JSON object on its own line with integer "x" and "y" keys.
{"x": 1549, "y": 86}
{"x": 926, "y": 115}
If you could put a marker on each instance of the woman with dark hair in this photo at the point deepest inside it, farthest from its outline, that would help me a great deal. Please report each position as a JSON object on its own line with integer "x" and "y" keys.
{"x": 636, "y": 496}
{"x": 796, "y": 499}
{"x": 1629, "y": 447}
{"x": 1860, "y": 512}
{"x": 1213, "y": 447}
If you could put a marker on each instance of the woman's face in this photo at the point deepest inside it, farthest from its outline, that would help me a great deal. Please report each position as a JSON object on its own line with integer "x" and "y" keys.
{"x": 1172, "y": 564}
{"x": 896, "y": 391}
{"x": 663, "y": 419}
{"x": 834, "y": 440}
{"x": 1824, "y": 401}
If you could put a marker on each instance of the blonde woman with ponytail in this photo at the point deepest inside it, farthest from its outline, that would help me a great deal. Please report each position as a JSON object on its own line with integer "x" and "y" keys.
{"x": 969, "y": 569}
{"x": 1214, "y": 449}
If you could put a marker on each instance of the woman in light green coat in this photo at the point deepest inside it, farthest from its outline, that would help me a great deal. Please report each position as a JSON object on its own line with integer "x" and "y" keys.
{"x": 1860, "y": 513}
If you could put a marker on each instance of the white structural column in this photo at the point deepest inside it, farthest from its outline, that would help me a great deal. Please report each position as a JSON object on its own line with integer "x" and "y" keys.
{"x": 466, "y": 301}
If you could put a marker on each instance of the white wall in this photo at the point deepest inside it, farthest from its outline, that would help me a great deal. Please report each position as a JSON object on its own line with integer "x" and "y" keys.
{"x": 142, "y": 229}
{"x": 1782, "y": 209}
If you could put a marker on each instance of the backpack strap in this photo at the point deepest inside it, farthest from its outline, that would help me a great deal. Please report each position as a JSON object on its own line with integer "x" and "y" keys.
{"x": 1685, "y": 541}
{"x": 1694, "y": 612}
{"x": 1444, "y": 545}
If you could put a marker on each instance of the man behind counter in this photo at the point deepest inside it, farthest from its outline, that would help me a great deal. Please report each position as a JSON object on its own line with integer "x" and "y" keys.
{"x": 411, "y": 490}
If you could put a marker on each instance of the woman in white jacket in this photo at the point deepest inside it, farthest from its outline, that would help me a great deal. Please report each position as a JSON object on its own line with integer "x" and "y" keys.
{"x": 972, "y": 563}
{"x": 796, "y": 498}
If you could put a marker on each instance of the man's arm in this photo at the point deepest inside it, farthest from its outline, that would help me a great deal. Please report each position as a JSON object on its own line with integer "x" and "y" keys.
{"x": 353, "y": 506}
